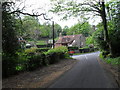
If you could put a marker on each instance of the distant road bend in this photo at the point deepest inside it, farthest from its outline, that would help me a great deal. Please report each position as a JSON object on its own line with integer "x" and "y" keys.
{"x": 87, "y": 73}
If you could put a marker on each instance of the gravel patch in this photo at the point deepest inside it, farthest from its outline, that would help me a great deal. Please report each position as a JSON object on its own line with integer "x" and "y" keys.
{"x": 40, "y": 78}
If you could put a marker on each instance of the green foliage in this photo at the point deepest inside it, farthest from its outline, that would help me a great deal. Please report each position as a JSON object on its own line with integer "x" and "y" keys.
{"x": 31, "y": 59}
{"x": 54, "y": 55}
{"x": 113, "y": 61}
{"x": 72, "y": 48}
{"x": 101, "y": 56}
{"x": 62, "y": 49}
{"x": 31, "y": 27}
{"x": 80, "y": 28}
{"x": 109, "y": 60}
{"x": 65, "y": 30}
{"x": 8, "y": 65}
{"x": 89, "y": 40}
{"x": 31, "y": 50}
{"x": 86, "y": 47}
{"x": 21, "y": 61}
{"x": 13, "y": 64}
{"x": 35, "y": 61}
{"x": 42, "y": 49}
{"x": 9, "y": 36}
{"x": 74, "y": 8}
{"x": 40, "y": 42}
{"x": 56, "y": 38}
{"x": 113, "y": 31}
{"x": 46, "y": 30}
{"x": 57, "y": 29}
{"x": 97, "y": 38}
{"x": 10, "y": 43}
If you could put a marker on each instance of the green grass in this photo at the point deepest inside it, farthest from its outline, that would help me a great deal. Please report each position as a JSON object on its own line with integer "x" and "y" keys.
{"x": 40, "y": 42}
{"x": 56, "y": 38}
{"x": 112, "y": 61}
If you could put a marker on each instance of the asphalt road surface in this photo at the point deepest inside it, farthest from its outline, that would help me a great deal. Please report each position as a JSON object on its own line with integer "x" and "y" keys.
{"x": 87, "y": 73}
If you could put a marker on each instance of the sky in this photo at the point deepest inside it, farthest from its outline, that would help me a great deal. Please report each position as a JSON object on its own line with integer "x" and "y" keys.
{"x": 42, "y": 6}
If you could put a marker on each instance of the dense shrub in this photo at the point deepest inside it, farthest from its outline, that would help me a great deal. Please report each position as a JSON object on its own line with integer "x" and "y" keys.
{"x": 73, "y": 48}
{"x": 53, "y": 57}
{"x": 87, "y": 49}
{"x": 113, "y": 61}
{"x": 8, "y": 65}
{"x": 41, "y": 46}
{"x": 60, "y": 49}
{"x": 30, "y": 59}
{"x": 42, "y": 49}
{"x": 21, "y": 61}
{"x": 31, "y": 50}
{"x": 34, "y": 62}
{"x": 9, "y": 40}
{"x": 49, "y": 45}
{"x": 9, "y": 30}
{"x": 105, "y": 53}
{"x": 109, "y": 60}
{"x": 84, "y": 49}
{"x": 57, "y": 53}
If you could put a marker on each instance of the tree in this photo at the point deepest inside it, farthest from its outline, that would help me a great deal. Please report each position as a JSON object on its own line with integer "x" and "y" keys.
{"x": 113, "y": 30}
{"x": 10, "y": 43}
{"x": 9, "y": 36}
{"x": 46, "y": 29}
{"x": 72, "y": 8}
{"x": 58, "y": 30}
{"x": 114, "y": 26}
{"x": 65, "y": 30}
{"x": 80, "y": 28}
{"x": 31, "y": 28}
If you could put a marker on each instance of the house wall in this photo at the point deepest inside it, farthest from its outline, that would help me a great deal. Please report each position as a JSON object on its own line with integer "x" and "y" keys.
{"x": 83, "y": 40}
{"x": 79, "y": 41}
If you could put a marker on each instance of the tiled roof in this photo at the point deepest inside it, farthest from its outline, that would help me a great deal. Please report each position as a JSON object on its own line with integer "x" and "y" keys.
{"x": 67, "y": 39}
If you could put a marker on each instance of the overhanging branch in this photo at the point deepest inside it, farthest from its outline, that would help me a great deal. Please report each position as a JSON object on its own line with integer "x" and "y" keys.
{"x": 33, "y": 15}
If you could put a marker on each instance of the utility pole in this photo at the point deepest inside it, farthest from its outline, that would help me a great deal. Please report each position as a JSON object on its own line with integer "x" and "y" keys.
{"x": 53, "y": 33}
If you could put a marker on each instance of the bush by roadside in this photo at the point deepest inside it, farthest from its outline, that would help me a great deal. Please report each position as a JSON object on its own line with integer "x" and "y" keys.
{"x": 31, "y": 59}
{"x": 113, "y": 61}
{"x": 54, "y": 55}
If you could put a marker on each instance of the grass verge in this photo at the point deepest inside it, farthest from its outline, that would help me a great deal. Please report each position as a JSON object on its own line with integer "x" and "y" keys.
{"x": 112, "y": 61}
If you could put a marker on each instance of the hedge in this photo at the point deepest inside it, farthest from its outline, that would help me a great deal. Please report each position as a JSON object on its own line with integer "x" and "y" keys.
{"x": 41, "y": 46}
{"x": 30, "y": 60}
{"x": 42, "y": 49}
{"x": 73, "y": 48}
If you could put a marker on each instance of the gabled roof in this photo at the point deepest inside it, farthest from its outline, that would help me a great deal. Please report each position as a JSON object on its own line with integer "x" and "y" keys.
{"x": 67, "y": 39}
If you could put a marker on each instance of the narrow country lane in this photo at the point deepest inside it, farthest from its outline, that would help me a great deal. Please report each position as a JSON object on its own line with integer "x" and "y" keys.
{"x": 87, "y": 73}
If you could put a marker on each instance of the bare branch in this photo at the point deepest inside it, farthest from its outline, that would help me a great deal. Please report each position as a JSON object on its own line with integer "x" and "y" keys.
{"x": 33, "y": 15}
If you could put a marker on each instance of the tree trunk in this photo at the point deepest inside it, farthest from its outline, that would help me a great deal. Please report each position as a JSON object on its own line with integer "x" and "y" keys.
{"x": 106, "y": 36}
